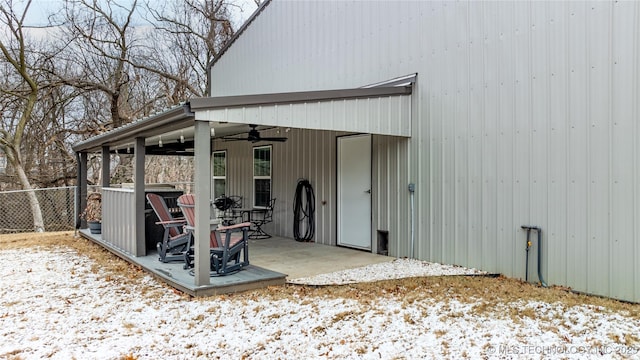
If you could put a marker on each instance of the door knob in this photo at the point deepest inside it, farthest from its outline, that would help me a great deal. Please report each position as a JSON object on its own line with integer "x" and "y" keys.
{"x": 368, "y": 191}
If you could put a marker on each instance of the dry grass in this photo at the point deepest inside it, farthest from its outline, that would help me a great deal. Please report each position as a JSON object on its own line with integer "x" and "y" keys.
{"x": 486, "y": 293}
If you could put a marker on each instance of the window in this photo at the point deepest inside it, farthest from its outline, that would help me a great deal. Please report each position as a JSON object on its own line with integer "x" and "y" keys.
{"x": 219, "y": 169}
{"x": 261, "y": 176}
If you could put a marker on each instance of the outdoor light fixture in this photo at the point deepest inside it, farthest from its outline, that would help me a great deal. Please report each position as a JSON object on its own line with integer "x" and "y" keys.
{"x": 160, "y": 141}
{"x": 213, "y": 132}
{"x": 181, "y": 137}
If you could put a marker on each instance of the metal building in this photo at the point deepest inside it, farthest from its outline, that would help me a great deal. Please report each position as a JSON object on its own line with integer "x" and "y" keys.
{"x": 518, "y": 113}
{"x": 433, "y": 130}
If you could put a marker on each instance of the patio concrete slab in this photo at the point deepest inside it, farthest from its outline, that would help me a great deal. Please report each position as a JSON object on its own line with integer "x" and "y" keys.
{"x": 305, "y": 259}
{"x": 272, "y": 262}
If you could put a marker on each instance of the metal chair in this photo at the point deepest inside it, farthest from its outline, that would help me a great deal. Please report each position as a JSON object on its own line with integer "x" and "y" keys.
{"x": 260, "y": 217}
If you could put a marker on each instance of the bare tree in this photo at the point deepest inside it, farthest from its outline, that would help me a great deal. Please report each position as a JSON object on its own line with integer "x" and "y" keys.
{"x": 99, "y": 38}
{"x": 20, "y": 96}
{"x": 194, "y": 32}
{"x": 99, "y": 68}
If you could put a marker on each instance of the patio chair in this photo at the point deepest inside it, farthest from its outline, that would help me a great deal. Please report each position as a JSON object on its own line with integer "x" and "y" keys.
{"x": 175, "y": 238}
{"x": 260, "y": 217}
{"x": 229, "y": 245}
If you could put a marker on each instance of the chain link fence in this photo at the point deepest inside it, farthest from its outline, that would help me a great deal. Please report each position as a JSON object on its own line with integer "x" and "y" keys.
{"x": 57, "y": 205}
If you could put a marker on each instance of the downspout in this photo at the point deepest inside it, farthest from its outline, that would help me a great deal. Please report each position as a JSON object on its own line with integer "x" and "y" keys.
{"x": 412, "y": 190}
{"x": 544, "y": 284}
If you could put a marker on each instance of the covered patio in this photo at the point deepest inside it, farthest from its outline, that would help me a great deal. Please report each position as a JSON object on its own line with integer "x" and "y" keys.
{"x": 194, "y": 129}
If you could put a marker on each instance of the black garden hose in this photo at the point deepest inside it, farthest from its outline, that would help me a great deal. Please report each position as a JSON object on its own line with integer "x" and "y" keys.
{"x": 304, "y": 209}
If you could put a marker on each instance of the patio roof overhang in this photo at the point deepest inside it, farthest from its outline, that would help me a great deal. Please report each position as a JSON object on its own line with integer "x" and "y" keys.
{"x": 382, "y": 110}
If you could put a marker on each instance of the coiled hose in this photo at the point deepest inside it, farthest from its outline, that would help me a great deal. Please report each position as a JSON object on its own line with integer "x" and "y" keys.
{"x": 304, "y": 209}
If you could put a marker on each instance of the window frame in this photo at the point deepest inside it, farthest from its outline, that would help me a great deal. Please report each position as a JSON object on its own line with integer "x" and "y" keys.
{"x": 215, "y": 177}
{"x": 262, "y": 177}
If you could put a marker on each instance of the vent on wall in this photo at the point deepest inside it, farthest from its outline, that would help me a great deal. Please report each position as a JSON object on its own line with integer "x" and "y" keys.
{"x": 383, "y": 242}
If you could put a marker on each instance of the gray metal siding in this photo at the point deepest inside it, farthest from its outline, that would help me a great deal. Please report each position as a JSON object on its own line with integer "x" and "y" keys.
{"x": 118, "y": 219}
{"x": 390, "y": 194}
{"x": 523, "y": 113}
{"x": 307, "y": 154}
{"x": 306, "y": 45}
{"x": 388, "y": 115}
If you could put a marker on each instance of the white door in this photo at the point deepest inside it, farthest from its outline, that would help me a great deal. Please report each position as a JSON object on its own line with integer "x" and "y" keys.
{"x": 354, "y": 191}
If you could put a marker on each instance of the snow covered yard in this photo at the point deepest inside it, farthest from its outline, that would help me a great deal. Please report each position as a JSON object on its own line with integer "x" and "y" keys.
{"x": 58, "y": 304}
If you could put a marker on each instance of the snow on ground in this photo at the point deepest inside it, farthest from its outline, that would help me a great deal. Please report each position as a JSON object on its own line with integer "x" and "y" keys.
{"x": 56, "y": 304}
{"x": 397, "y": 269}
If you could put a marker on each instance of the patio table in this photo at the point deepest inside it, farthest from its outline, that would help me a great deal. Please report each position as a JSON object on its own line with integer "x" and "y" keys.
{"x": 246, "y": 215}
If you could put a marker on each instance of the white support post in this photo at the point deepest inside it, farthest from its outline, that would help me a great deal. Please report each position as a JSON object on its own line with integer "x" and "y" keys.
{"x": 202, "y": 194}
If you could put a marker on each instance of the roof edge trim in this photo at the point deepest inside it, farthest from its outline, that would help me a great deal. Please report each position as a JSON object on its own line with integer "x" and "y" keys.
{"x": 296, "y": 97}
{"x": 130, "y": 130}
{"x": 406, "y": 80}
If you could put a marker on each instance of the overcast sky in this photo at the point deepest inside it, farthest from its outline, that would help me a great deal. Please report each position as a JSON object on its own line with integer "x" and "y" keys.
{"x": 39, "y": 9}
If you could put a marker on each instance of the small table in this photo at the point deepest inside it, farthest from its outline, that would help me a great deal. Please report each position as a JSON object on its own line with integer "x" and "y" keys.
{"x": 256, "y": 231}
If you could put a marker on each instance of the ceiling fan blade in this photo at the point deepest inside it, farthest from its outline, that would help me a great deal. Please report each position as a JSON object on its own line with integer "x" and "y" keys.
{"x": 235, "y": 139}
{"x": 278, "y": 139}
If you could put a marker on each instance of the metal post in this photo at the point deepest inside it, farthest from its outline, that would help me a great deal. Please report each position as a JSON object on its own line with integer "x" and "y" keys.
{"x": 81, "y": 190}
{"x": 106, "y": 167}
{"x": 202, "y": 194}
{"x": 138, "y": 193}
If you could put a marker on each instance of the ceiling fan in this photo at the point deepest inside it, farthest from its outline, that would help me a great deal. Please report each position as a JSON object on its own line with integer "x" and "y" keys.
{"x": 254, "y": 136}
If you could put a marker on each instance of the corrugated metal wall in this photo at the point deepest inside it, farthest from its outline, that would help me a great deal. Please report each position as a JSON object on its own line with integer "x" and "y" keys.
{"x": 311, "y": 155}
{"x": 523, "y": 113}
{"x": 390, "y": 193}
{"x": 388, "y": 115}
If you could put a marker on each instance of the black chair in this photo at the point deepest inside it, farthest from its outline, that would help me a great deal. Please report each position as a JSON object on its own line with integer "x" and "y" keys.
{"x": 228, "y": 205}
{"x": 260, "y": 217}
